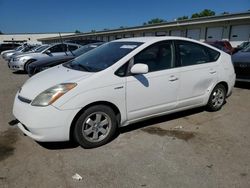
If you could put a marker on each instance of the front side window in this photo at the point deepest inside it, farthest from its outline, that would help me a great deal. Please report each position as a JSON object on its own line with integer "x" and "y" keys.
{"x": 72, "y": 47}
{"x": 58, "y": 48}
{"x": 193, "y": 54}
{"x": 102, "y": 57}
{"x": 41, "y": 48}
{"x": 158, "y": 57}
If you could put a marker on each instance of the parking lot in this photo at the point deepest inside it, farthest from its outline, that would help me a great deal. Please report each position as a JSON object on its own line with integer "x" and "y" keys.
{"x": 194, "y": 148}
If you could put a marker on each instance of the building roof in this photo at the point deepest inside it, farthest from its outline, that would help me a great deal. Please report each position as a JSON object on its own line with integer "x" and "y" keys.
{"x": 192, "y": 21}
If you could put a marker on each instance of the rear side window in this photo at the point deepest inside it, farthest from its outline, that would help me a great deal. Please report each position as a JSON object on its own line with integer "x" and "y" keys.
{"x": 213, "y": 54}
{"x": 193, "y": 54}
{"x": 72, "y": 47}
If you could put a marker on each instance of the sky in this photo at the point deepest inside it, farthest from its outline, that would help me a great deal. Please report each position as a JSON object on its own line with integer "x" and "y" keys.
{"x": 39, "y": 16}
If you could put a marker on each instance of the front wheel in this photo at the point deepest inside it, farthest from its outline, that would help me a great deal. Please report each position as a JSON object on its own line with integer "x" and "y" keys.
{"x": 26, "y": 65}
{"x": 95, "y": 127}
{"x": 217, "y": 98}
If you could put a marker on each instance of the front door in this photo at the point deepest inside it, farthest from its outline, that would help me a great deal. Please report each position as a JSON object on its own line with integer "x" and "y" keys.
{"x": 154, "y": 92}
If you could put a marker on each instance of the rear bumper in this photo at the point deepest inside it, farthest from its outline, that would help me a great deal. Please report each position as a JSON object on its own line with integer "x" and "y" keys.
{"x": 231, "y": 84}
{"x": 45, "y": 124}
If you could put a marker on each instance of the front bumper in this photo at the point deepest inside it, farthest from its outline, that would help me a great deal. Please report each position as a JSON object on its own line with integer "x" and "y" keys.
{"x": 44, "y": 124}
{"x": 242, "y": 71}
{"x": 15, "y": 65}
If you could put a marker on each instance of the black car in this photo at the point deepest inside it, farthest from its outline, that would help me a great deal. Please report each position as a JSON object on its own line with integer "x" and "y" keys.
{"x": 241, "y": 61}
{"x": 8, "y": 46}
{"x": 41, "y": 65}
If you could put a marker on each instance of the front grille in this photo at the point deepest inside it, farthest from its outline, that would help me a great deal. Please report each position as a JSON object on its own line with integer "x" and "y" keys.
{"x": 24, "y": 99}
{"x": 242, "y": 70}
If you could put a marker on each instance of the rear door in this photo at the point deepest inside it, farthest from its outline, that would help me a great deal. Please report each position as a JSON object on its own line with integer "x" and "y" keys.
{"x": 198, "y": 72}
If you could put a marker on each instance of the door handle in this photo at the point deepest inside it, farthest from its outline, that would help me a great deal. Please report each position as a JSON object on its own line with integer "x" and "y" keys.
{"x": 173, "y": 78}
{"x": 212, "y": 71}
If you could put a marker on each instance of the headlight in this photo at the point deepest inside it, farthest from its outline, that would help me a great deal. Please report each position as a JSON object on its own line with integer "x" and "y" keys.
{"x": 16, "y": 59}
{"x": 52, "y": 94}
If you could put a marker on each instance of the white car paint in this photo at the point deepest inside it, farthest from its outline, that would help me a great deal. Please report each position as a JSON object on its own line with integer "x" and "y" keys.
{"x": 137, "y": 97}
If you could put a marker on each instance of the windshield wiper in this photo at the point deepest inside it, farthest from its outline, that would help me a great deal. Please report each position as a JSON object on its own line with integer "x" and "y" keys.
{"x": 83, "y": 67}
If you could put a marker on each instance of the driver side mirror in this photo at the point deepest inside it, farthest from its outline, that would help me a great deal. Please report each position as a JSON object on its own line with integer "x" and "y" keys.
{"x": 139, "y": 68}
{"x": 47, "y": 52}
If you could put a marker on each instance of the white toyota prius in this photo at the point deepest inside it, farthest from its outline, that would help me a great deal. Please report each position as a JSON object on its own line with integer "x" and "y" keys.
{"x": 119, "y": 83}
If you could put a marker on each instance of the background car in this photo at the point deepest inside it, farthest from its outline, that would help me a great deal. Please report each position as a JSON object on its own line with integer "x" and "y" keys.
{"x": 8, "y": 46}
{"x": 50, "y": 61}
{"x": 241, "y": 46}
{"x": 120, "y": 83}
{"x": 222, "y": 45}
{"x": 7, "y": 56}
{"x": 30, "y": 49}
{"x": 21, "y": 62}
{"x": 241, "y": 61}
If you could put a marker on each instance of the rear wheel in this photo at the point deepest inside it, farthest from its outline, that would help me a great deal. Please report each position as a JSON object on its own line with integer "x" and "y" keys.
{"x": 95, "y": 127}
{"x": 217, "y": 98}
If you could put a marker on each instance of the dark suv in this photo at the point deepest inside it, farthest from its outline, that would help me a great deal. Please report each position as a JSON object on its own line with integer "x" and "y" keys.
{"x": 8, "y": 46}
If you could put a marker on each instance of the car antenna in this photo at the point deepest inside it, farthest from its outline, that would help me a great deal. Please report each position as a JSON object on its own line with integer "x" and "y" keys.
{"x": 62, "y": 43}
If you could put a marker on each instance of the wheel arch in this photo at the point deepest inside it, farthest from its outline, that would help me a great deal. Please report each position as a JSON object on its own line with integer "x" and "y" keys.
{"x": 28, "y": 62}
{"x": 106, "y": 103}
{"x": 224, "y": 84}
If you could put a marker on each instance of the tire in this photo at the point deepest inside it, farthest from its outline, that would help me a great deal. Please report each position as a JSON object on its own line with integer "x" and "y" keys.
{"x": 95, "y": 127}
{"x": 217, "y": 98}
{"x": 27, "y": 64}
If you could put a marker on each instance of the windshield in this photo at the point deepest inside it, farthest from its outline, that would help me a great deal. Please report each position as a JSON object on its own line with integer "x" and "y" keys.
{"x": 85, "y": 49}
{"x": 246, "y": 49}
{"x": 18, "y": 48}
{"x": 102, "y": 57}
{"x": 41, "y": 48}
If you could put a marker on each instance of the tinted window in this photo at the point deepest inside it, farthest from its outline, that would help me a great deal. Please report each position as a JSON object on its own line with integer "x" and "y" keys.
{"x": 102, "y": 57}
{"x": 122, "y": 71}
{"x": 86, "y": 48}
{"x": 58, "y": 48}
{"x": 41, "y": 48}
{"x": 192, "y": 54}
{"x": 158, "y": 56}
{"x": 72, "y": 47}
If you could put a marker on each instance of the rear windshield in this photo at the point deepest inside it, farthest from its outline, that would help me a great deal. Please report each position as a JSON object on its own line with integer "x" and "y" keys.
{"x": 102, "y": 57}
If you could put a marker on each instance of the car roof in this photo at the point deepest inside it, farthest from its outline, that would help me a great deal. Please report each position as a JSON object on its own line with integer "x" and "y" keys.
{"x": 68, "y": 43}
{"x": 152, "y": 39}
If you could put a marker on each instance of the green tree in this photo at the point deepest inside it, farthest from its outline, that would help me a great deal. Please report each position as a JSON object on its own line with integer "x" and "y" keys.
{"x": 77, "y": 31}
{"x": 204, "y": 13}
{"x": 195, "y": 15}
{"x": 154, "y": 21}
{"x": 182, "y": 18}
{"x": 92, "y": 31}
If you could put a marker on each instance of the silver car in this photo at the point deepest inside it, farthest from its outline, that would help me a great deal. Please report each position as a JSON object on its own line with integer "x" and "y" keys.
{"x": 21, "y": 62}
{"x": 7, "y": 56}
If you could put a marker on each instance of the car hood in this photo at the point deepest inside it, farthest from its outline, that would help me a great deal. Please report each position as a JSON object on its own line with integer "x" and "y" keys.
{"x": 242, "y": 57}
{"x": 49, "y": 78}
{"x": 7, "y": 51}
{"x": 50, "y": 61}
{"x": 27, "y": 54}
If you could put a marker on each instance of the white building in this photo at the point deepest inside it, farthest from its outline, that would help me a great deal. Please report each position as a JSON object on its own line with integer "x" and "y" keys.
{"x": 232, "y": 27}
{"x": 28, "y": 37}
